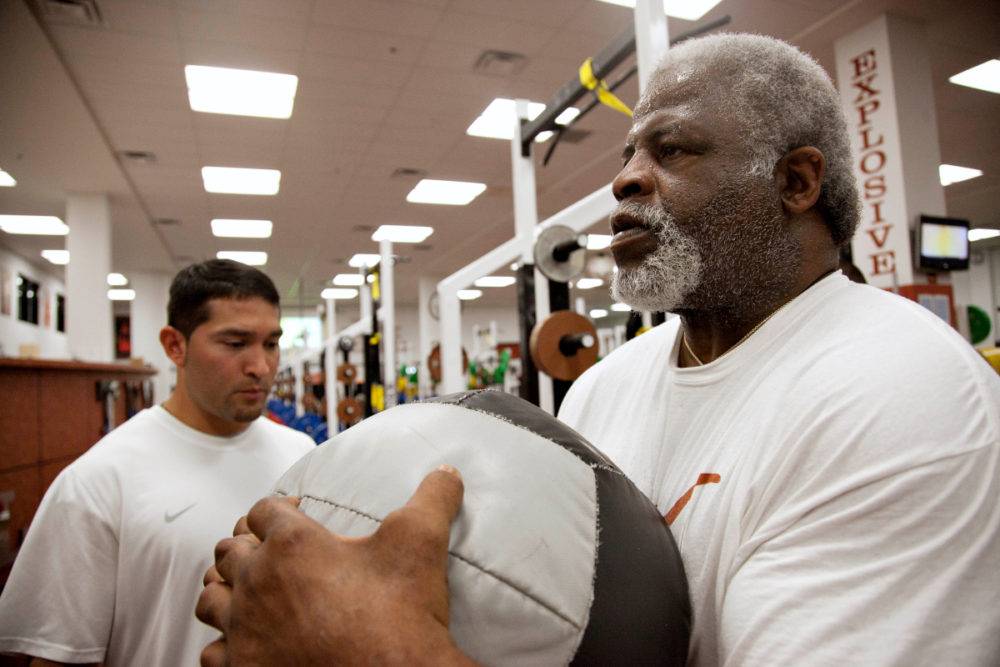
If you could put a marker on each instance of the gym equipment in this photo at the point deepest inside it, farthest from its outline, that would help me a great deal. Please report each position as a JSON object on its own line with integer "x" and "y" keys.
{"x": 434, "y": 362}
{"x": 560, "y": 252}
{"x": 349, "y": 411}
{"x": 555, "y": 557}
{"x": 346, "y": 373}
{"x": 564, "y": 345}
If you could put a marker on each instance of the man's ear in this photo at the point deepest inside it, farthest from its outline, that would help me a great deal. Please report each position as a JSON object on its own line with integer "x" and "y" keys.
{"x": 799, "y": 177}
{"x": 174, "y": 344}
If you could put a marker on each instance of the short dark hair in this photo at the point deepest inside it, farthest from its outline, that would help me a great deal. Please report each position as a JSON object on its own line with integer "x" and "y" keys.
{"x": 195, "y": 285}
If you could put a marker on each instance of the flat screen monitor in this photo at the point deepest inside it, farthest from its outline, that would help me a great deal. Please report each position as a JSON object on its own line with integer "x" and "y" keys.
{"x": 942, "y": 243}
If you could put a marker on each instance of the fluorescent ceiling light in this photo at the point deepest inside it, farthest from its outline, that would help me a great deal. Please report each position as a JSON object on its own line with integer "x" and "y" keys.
{"x": 250, "y": 258}
{"x": 402, "y": 233}
{"x": 348, "y": 279}
{"x": 949, "y": 173}
{"x": 621, "y": 307}
{"x": 455, "y": 193}
{"x": 980, "y": 234}
{"x": 339, "y": 293}
{"x": 985, "y": 76}
{"x": 117, "y": 280}
{"x": 469, "y": 294}
{"x": 498, "y": 118}
{"x": 239, "y": 181}
{"x": 495, "y": 281}
{"x": 56, "y": 256}
{"x": 240, "y": 92}
{"x": 121, "y": 294}
{"x": 567, "y": 116}
{"x": 589, "y": 283}
{"x": 244, "y": 229}
{"x": 41, "y": 225}
{"x": 598, "y": 241}
{"x": 364, "y": 259}
{"x": 6, "y": 180}
{"x": 598, "y": 312}
{"x": 690, "y": 10}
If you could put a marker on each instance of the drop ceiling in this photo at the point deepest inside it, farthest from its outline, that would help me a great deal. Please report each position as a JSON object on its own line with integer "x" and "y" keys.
{"x": 386, "y": 91}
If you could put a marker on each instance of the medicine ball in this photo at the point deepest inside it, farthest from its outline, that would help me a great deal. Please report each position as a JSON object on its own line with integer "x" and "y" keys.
{"x": 555, "y": 557}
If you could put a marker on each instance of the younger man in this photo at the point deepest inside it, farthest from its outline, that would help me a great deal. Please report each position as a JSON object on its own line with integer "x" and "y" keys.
{"x": 111, "y": 567}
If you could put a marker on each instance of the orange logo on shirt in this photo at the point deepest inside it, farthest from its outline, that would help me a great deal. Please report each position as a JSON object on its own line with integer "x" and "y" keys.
{"x": 704, "y": 478}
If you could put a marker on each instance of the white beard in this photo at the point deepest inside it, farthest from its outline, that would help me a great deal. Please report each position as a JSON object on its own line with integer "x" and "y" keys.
{"x": 665, "y": 277}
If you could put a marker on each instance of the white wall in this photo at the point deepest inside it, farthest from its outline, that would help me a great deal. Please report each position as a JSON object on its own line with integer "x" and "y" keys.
{"x": 13, "y": 332}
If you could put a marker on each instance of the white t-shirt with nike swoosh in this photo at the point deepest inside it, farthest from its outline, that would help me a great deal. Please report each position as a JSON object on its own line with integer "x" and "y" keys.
{"x": 112, "y": 565}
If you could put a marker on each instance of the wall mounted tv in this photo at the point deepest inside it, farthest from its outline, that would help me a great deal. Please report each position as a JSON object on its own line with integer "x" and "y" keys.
{"x": 942, "y": 244}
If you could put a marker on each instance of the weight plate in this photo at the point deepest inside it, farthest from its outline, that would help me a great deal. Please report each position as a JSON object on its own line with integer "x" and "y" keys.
{"x": 545, "y": 247}
{"x": 544, "y": 345}
{"x": 346, "y": 373}
{"x": 348, "y": 411}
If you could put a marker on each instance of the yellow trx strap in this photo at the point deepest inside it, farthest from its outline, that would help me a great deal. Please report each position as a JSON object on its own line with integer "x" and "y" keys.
{"x": 378, "y": 397}
{"x": 591, "y": 82}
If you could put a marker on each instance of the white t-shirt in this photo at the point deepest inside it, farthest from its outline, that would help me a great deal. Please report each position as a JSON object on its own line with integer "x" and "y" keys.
{"x": 832, "y": 482}
{"x": 112, "y": 565}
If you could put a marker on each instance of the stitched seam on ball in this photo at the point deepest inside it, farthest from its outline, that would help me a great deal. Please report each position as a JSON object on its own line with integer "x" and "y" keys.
{"x": 540, "y": 603}
{"x": 345, "y": 508}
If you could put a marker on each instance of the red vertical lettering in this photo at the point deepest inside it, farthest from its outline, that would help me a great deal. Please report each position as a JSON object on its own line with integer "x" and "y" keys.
{"x": 883, "y": 262}
{"x": 877, "y": 207}
{"x": 864, "y": 63}
{"x": 874, "y": 233}
{"x": 866, "y": 163}
{"x": 874, "y": 186}
{"x": 865, "y": 109}
{"x": 866, "y": 141}
{"x": 864, "y": 85}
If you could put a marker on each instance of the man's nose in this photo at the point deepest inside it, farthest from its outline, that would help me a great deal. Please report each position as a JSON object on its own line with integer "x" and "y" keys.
{"x": 634, "y": 180}
{"x": 256, "y": 362}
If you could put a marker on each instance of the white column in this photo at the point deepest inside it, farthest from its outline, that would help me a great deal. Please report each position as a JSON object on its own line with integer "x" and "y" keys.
{"x": 428, "y": 332}
{"x": 452, "y": 372}
{"x": 651, "y": 38}
{"x": 149, "y": 315}
{"x": 388, "y": 309}
{"x": 884, "y": 77}
{"x": 330, "y": 367}
{"x": 89, "y": 319}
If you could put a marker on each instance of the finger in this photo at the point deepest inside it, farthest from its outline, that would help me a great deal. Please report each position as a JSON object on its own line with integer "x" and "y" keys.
{"x": 428, "y": 514}
{"x": 241, "y": 527}
{"x": 214, "y": 605}
{"x": 214, "y": 655}
{"x": 269, "y": 514}
{"x": 211, "y": 576}
{"x": 232, "y": 552}
{"x": 440, "y": 494}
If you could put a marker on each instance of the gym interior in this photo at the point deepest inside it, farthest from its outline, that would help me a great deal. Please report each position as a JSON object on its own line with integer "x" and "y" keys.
{"x": 434, "y": 191}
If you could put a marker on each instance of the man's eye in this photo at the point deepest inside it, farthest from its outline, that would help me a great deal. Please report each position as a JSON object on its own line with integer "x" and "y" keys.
{"x": 235, "y": 344}
{"x": 668, "y": 152}
{"x": 271, "y": 345}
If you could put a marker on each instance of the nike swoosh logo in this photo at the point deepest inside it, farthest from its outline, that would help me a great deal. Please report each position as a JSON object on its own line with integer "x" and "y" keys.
{"x": 168, "y": 517}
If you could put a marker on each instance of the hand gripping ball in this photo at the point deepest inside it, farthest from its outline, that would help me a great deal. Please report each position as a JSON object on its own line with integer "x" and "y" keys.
{"x": 555, "y": 556}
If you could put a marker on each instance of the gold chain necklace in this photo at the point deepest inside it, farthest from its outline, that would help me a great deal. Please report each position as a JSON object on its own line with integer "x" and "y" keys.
{"x": 694, "y": 356}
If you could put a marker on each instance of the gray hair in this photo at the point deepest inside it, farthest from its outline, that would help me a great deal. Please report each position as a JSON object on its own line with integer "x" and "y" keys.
{"x": 782, "y": 100}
